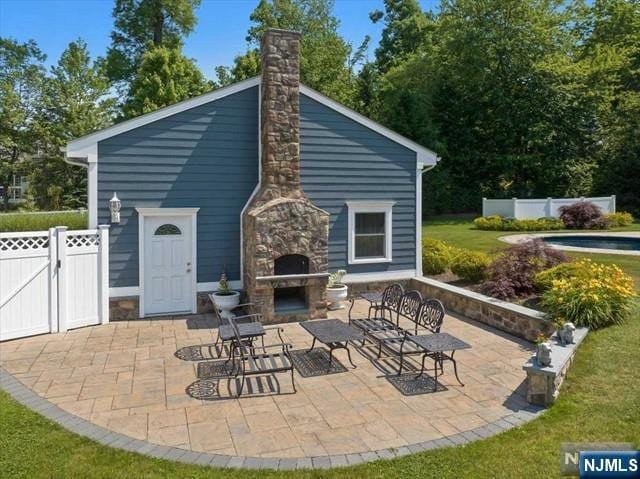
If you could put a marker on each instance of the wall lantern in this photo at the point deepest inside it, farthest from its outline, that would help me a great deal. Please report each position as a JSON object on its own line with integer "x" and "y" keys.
{"x": 114, "y": 207}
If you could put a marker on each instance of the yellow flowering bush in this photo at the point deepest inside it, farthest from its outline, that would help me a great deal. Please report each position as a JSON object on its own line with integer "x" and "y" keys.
{"x": 470, "y": 265}
{"x": 587, "y": 293}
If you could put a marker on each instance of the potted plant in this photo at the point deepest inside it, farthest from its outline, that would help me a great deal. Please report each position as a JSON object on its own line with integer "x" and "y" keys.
{"x": 336, "y": 290}
{"x": 543, "y": 350}
{"x": 226, "y": 299}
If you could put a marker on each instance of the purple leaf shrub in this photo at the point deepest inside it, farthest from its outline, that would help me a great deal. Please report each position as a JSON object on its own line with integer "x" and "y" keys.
{"x": 512, "y": 273}
{"x": 583, "y": 215}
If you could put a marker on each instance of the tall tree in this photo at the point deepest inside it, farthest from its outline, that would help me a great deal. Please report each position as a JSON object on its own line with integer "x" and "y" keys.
{"x": 611, "y": 55}
{"x": 325, "y": 55}
{"x": 407, "y": 29}
{"x": 165, "y": 77}
{"x": 75, "y": 102}
{"x": 21, "y": 79}
{"x": 141, "y": 25}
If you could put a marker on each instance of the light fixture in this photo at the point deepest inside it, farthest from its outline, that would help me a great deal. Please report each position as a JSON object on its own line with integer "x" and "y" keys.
{"x": 114, "y": 207}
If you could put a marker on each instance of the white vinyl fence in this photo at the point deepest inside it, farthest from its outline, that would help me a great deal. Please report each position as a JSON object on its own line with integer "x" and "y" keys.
{"x": 53, "y": 281}
{"x": 539, "y": 208}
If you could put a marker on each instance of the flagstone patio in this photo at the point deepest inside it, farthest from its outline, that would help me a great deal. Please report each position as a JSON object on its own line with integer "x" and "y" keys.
{"x": 126, "y": 377}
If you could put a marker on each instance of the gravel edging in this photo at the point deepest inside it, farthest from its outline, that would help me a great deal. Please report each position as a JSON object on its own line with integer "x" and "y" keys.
{"x": 82, "y": 427}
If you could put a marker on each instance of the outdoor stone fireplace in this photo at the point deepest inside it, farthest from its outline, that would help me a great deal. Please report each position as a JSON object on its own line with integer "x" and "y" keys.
{"x": 285, "y": 235}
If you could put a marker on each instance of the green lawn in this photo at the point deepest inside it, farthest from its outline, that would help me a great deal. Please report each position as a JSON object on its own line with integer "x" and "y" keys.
{"x": 459, "y": 231}
{"x": 600, "y": 402}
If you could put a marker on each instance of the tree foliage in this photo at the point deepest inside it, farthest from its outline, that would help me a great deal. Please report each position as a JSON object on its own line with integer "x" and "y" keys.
{"x": 21, "y": 79}
{"x": 325, "y": 56}
{"x": 140, "y": 25}
{"x": 165, "y": 77}
{"x": 75, "y": 102}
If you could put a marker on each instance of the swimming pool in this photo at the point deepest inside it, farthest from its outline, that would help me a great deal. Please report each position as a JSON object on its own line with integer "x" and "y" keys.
{"x": 595, "y": 241}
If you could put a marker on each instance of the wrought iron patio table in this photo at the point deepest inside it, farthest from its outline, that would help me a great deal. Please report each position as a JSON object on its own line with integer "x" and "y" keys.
{"x": 374, "y": 298}
{"x": 333, "y": 333}
{"x": 440, "y": 347}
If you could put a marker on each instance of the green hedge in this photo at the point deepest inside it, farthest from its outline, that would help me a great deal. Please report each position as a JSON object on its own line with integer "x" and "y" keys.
{"x": 42, "y": 221}
{"x": 498, "y": 223}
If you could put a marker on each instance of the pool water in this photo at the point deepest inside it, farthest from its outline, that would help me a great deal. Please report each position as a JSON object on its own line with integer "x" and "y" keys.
{"x": 599, "y": 242}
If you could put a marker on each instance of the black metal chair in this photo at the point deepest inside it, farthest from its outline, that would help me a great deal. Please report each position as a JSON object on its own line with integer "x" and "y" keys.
{"x": 249, "y": 325}
{"x": 391, "y": 299}
{"x": 250, "y": 363}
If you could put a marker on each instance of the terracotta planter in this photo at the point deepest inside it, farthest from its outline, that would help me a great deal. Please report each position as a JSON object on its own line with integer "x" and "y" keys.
{"x": 335, "y": 295}
{"x": 226, "y": 303}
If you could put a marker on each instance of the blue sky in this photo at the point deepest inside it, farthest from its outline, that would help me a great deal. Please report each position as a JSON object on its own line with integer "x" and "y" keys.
{"x": 219, "y": 35}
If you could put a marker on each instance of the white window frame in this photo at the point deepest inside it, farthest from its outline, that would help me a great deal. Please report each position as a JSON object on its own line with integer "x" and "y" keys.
{"x": 385, "y": 207}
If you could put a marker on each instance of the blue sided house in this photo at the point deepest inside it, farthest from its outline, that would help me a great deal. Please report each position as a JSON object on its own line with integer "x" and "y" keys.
{"x": 265, "y": 179}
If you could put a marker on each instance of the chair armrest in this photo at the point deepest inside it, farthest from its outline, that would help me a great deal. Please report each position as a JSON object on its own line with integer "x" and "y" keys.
{"x": 242, "y": 305}
{"x": 256, "y": 317}
{"x": 273, "y": 328}
{"x": 283, "y": 346}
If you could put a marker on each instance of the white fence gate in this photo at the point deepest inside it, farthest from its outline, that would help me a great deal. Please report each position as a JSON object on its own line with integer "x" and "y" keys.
{"x": 53, "y": 281}
{"x": 539, "y": 208}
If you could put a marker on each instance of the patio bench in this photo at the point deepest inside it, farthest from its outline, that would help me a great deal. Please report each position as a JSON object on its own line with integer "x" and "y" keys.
{"x": 427, "y": 317}
{"x": 390, "y": 302}
{"x": 247, "y": 362}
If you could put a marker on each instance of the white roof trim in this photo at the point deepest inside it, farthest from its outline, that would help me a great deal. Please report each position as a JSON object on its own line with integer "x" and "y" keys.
{"x": 79, "y": 148}
{"x": 85, "y": 145}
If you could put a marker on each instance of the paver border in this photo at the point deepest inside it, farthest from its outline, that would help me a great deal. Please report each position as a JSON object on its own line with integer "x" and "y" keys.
{"x": 106, "y": 437}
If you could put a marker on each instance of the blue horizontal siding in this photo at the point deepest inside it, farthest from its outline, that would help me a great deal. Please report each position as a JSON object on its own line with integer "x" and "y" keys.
{"x": 206, "y": 157}
{"x": 343, "y": 160}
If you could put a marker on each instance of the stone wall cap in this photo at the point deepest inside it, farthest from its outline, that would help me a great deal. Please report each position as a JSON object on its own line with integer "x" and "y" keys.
{"x": 560, "y": 355}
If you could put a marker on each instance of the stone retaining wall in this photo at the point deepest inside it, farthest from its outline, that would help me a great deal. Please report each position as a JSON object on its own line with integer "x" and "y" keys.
{"x": 511, "y": 318}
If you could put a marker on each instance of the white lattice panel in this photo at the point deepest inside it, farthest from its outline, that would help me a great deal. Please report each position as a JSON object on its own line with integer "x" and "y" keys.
{"x": 82, "y": 240}
{"x": 24, "y": 243}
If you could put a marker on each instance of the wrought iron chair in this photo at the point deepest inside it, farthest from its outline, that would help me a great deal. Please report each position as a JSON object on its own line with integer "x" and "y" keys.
{"x": 249, "y": 325}
{"x": 251, "y": 363}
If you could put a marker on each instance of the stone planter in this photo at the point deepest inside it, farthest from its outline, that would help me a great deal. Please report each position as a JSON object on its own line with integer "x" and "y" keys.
{"x": 335, "y": 295}
{"x": 226, "y": 302}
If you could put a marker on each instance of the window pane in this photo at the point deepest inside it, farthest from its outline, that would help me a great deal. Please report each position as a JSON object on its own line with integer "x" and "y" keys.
{"x": 167, "y": 229}
{"x": 370, "y": 246}
{"x": 367, "y": 223}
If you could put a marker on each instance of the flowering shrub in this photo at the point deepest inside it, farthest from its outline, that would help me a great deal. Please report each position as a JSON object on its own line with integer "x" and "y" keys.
{"x": 512, "y": 273}
{"x": 621, "y": 218}
{"x": 588, "y": 294}
{"x": 498, "y": 223}
{"x": 583, "y": 215}
{"x": 470, "y": 265}
{"x": 436, "y": 256}
{"x": 562, "y": 271}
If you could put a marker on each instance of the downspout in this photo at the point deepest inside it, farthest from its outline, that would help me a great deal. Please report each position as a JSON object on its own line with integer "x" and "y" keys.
{"x": 422, "y": 171}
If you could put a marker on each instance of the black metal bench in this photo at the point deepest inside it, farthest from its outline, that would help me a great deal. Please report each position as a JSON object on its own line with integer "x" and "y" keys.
{"x": 425, "y": 316}
{"x": 246, "y": 361}
{"x": 390, "y": 303}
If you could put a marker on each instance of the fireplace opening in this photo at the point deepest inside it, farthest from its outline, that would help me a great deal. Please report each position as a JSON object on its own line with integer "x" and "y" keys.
{"x": 290, "y": 299}
{"x": 291, "y": 264}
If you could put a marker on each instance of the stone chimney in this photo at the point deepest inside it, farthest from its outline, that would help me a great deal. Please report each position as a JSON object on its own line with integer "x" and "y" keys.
{"x": 280, "y": 115}
{"x": 281, "y": 226}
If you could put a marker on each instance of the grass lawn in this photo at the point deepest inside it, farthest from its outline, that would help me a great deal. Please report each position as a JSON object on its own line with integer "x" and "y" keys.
{"x": 40, "y": 221}
{"x": 600, "y": 401}
{"x": 459, "y": 231}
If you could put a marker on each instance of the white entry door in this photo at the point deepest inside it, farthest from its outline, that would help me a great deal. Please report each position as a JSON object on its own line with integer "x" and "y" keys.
{"x": 168, "y": 265}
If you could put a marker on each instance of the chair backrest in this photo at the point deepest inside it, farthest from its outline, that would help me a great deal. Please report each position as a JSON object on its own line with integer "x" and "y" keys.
{"x": 410, "y": 305}
{"x": 216, "y": 311}
{"x": 239, "y": 343}
{"x": 392, "y": 296}
{"x": 430, "y": 316}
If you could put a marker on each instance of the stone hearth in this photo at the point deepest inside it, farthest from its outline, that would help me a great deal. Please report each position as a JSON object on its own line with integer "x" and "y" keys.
{"x": 280, "y": 219}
